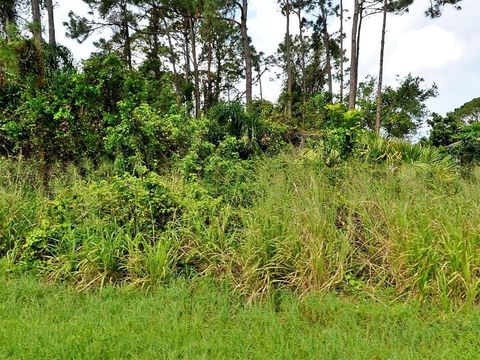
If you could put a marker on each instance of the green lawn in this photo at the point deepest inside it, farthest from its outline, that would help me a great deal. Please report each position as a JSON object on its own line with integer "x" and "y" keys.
{"x": 204, "y": 321}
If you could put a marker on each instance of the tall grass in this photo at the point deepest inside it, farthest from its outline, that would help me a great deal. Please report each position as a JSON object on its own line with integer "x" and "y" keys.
{"x": 370, "y": 228}
{"x": 403, "y": 222}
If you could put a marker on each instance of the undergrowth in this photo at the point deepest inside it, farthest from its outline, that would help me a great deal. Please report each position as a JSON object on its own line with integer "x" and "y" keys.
{"x": 393, "y": 218}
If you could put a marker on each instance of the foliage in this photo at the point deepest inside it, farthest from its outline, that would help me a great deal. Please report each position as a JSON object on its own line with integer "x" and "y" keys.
{"x": 458, "y": 131}
{"x": 403, "y": 108}
{"x": 468, "y": 112}
{"x": 134, "y": 170}
{"x": 436, "y": 7}
{"x": 365, "y": 225}
{"x": 143, "y": 139}
{"x": 343, "y": 129}
{"x": 314, "y": 111}
{"x": 468, "y": 146}
{"x": 444, "y": 129}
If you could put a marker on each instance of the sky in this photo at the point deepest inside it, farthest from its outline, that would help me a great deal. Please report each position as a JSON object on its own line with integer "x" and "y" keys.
{"x": 445, "y": 51}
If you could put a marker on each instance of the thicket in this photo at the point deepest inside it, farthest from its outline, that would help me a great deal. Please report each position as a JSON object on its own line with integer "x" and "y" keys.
{"x": 394, "y": 217}
{"x": 106, "y": 177}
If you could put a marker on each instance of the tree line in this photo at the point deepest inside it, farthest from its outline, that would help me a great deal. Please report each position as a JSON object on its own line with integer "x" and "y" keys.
{"x": 206, "y": 46}
{"x": 191, "y": 54}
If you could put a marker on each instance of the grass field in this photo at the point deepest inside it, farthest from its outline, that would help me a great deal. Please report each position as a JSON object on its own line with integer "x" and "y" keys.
{"x": 202, "y": 320}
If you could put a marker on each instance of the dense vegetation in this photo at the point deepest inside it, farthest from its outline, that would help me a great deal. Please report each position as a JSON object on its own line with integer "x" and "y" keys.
{"x": 174, "y": 215}
{"x": 146, "y": 173}
{"x": 117, "y": 172}
{"x": 394, "y": 217}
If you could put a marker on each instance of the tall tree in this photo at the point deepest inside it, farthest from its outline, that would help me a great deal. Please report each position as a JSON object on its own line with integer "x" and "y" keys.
{"x": 233, "y": 12}
{"x": 398, "y": 7}
{"x": 172, "y": 57}
{"x": 404, "y": 107}
{"x": 51, "y": 22}
{"x": 342, "y": 51}
{"x": 362, "y": 9}
{"x": 36, "y": 22}
{"x": 191, "y": 23}
{"x": 298, "y": 8}
{"x": 125, "y": 33}
{"x": 287, "y": 9}
{"x": 221, "y": 56}
{"x": 37, "y": 35}
{"x": 8, "y": 15}
{"x": 352, "y": 97}
{"x": 38, "y": 40}
{"x": 324, "y": 14}
{"x": 380, "y": 71}
{"x": 247, "y": 50}
{"x": 241, "y": 7}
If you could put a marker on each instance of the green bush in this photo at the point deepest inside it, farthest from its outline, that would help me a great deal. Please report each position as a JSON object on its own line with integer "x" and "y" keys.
{"x": 141, "y": 204}
{"x": 143, "y": 138}
{"x": 468, "y": 146}
{"x": 93, "y": 231}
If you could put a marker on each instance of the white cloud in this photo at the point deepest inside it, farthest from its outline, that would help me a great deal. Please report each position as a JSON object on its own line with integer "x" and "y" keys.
{"x": 430, "y": 47}
{"x": 266, "y": 25}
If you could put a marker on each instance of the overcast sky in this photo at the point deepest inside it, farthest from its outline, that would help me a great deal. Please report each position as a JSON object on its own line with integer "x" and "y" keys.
{"x": 445, "y": 51}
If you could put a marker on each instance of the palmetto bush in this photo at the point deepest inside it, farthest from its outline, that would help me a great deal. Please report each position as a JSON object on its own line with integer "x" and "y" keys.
{"x": 379, "y": 149}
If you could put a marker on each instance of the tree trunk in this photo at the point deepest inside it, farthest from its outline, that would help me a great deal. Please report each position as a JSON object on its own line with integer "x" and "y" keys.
{"x": 303, "y": 56}
{"x": 342, "y": 81}
{"x": 9, "y": 17}
{"x": 37, "y": 21}
{"x": 359, "y": 35}
{"x": 127, "y": 48}
{"x": 260, "y": 84}
{"x": 196, "y": 74}
{"x": 37, "y": 36}
{"x": 187, "y": 51}
{"x": 209, "y": 93}
{"x": 172, "y": 60}
{"x": 326, "y": 40}
{"x": 218, "y": 80}
{"x": 380, "y": 72}
{"x": 4, "y": 28}
{"x": 4, "y": 31}
{"x": 289, "y": 60}
{"x": 352, "y": 97}
{"x": 247, "y": 53}
{"x": 51, "y": 23}
{"x": 155, "y": 46}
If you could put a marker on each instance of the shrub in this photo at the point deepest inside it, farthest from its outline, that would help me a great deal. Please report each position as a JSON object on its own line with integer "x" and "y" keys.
{"x": 145, "y": 139}
{"x": 141, "y": 204}
{"x": 468, "y": 146}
